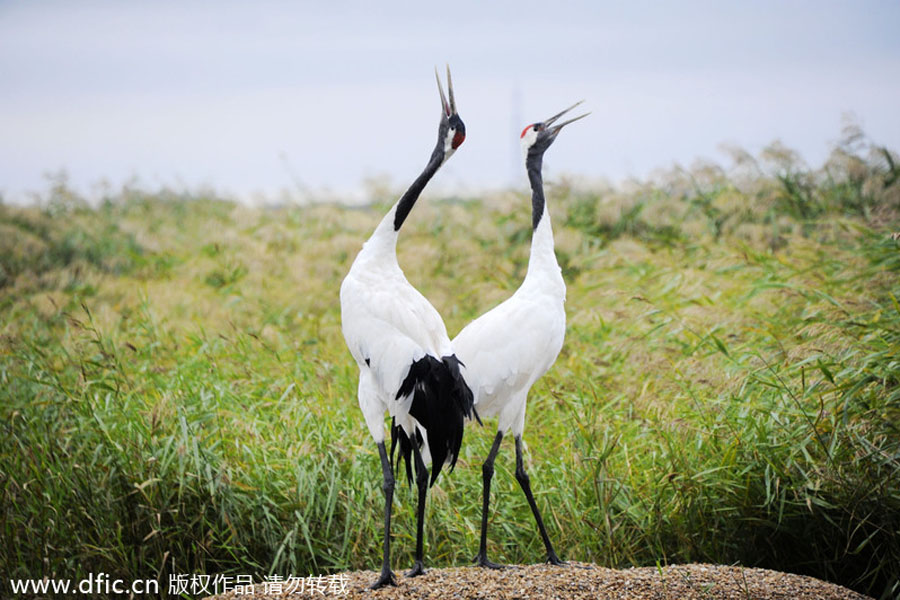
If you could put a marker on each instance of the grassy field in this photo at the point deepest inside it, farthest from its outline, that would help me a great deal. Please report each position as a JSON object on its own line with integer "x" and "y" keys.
{"x": 176, "y": 395}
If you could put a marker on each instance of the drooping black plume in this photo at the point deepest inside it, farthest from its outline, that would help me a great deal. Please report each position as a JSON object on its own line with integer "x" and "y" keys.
{"x": 399, "y": 438}
{"x": 441, "y": 402}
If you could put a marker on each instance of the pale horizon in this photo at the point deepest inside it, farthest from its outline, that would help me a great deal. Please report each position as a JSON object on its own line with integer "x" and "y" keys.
{"x": 273, "y": 97}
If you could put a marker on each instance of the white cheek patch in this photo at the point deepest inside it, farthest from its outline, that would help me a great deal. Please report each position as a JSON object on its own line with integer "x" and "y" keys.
{"x": 448, "y": 144}
{"x": 448, "y": 141}
{"x": 528, "y": 140}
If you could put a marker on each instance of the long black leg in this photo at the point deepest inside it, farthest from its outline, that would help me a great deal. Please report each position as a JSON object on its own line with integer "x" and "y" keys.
{"x": 422, "y": 484}
{"x": 487, "y": 471}
{"x": 387, "y": 576}
{"x": 522, "y": 478}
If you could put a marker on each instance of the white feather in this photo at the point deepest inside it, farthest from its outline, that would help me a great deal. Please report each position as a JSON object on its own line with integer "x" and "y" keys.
{"x": 509, "y": 347}
{"x": 388, "y": 323}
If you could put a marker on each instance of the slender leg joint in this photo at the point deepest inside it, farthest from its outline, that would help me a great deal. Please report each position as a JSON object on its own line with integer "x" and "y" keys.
{"x": 522, "y": 476}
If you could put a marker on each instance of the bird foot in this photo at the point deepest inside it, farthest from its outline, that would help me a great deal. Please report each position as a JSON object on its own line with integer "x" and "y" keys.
{"x": 482, "y": 561}
{"x": 418, "y": 569}
{"x": 554, "y": 560}
{"x": 387, "y": 578}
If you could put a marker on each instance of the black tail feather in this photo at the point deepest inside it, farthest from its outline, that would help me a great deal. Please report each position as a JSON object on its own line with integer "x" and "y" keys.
{"x": 461, "y": 388}
{"x": 441, "y": 402}
{"x": 399, "y": 438}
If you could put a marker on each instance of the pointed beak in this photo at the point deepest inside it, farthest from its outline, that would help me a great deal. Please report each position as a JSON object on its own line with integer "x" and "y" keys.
{"x": 450, "y": 91}
{"x": 444, "y": 105}
{"x": 555, "y": 130}
{"x": 449, "y": 108}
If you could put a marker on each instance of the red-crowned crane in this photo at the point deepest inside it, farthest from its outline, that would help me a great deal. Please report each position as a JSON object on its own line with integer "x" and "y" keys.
{"x": 406, "y": 363}
{"x": 508, "y": 348}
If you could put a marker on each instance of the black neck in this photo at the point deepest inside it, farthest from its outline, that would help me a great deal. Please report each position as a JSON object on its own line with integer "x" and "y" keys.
{"x": 533, "y": 164}
{"x": 408, "y": 200}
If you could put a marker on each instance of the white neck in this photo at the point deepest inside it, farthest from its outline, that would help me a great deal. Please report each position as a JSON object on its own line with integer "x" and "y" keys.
{"x": 382, "y": 244}
{"x": 544, "y": 275}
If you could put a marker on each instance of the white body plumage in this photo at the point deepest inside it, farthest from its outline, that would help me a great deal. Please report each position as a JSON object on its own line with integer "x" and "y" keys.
{"x": 388, "y": 325}
{"x": 511, "y": 346}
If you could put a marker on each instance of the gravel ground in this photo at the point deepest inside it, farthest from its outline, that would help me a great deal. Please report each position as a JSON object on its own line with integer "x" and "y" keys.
{"x": 573, "y": 582}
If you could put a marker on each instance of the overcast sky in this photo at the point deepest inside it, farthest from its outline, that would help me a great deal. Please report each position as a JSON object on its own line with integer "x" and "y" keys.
{"x": 257, "y": 97}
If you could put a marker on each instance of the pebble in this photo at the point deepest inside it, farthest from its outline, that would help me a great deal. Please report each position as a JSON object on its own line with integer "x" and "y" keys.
{"x": 581, "y": 581}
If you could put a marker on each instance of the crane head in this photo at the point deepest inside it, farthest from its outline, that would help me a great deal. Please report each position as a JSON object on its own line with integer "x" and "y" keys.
{"x": 537, "y": 137}
{"x": 452, "y": 130}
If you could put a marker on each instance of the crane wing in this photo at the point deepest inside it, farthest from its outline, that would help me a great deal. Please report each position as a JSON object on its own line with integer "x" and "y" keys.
{"x": 508, "y": 348}
{"x": 388, "y": 326}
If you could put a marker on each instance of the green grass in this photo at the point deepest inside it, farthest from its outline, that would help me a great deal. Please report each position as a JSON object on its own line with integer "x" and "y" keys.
{"x": 176, "y": 396}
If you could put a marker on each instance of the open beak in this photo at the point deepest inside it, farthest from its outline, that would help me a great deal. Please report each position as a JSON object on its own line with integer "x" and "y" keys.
{"x": 449, "y": 108}
{"x": 555, "y": 129}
